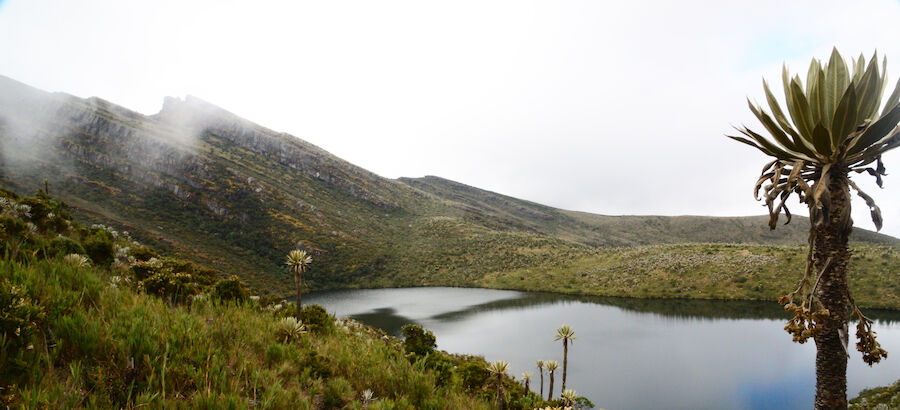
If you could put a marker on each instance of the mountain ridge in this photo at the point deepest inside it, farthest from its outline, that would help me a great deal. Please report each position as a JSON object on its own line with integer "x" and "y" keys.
{"x": 204, "y": 183}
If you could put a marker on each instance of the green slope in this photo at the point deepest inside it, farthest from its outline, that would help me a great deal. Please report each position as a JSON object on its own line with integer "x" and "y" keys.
{"x": 85, "y": 328}
{"x": 504, "y": 212}
{"x": 197, "y": 181}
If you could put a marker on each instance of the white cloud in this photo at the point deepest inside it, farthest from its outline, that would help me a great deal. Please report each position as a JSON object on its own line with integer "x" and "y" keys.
{"x": 615, "y": 108}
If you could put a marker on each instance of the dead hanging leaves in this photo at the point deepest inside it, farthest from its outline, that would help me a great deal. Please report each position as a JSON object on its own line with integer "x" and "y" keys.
{"x": 835, "y": 129}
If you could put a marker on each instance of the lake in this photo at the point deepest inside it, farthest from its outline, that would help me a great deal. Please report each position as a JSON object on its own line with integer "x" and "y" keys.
{"x": 629, "y": 353}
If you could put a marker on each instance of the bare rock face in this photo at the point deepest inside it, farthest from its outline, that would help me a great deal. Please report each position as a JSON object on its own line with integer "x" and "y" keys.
{"x": 193, "y": 173}
{"x": 162, "y": 149}
{"x": 208, "y": 122}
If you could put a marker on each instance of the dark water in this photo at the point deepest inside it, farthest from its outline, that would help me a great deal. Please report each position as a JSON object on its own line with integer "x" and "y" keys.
{"x": 630, "y": 353}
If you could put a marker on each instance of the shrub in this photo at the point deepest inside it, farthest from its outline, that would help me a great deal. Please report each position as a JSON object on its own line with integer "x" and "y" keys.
{"x": 442, "y": 366}
{"x": 230, "y": 289}
{"x": 418, "y": 341}
{"x": 316, "y": 365}
{"x": 177, "y": 287}
{"x": 338, "y": 393}
{"x": 35, "y": 245}
{"x": 99, "y": 247}
{"x": 62, "y": 245}
{"x": 18, "y": 317}
{"x": 143, "y": 253}
{"x": 317, "y": 319}
{"x": 275, "y": 353}
{"x": 78, "y": 336}
{"x": 13, "y": 232}
{"x": 472, "y": 375}
{"x": 144, "y": 269}
{"x": 201, "y": 275}
{"x": 39, "y": 209}
{"x": 282, "y": 310}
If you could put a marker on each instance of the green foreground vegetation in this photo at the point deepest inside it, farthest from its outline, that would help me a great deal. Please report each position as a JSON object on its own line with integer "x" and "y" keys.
{"x": 89, "y": 318}
{"x": 887, "y": 397}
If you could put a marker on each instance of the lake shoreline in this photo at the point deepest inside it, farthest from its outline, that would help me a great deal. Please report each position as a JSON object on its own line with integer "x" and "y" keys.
{"x": 291, "y": 298}
{"x": 734, "y": 354}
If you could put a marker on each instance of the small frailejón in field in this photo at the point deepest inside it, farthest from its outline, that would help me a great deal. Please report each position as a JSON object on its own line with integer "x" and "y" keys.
{"x": 298, "y": 261}
{"x": 290, "y": 329}
{"x": 569, "y": 396}
{"x": 837, "y": 128}
{"x": 498, "y": 370}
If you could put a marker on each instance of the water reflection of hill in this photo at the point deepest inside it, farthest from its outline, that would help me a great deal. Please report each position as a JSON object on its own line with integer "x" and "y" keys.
{"x": 674, "y": 308}
{"x": 385, "y": 319}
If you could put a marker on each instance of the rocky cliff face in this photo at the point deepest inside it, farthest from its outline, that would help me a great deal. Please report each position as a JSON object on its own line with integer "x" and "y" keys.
{"x": 208, "y": 122}
{"x": 238, "y": 181}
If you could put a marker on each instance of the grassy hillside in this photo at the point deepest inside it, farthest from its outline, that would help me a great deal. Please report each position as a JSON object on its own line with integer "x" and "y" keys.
{"x": 90, "y": 319}
{"x": 507, "y": 213}
{"x": 705, "y": 271}
{"x": 200, "y": 183}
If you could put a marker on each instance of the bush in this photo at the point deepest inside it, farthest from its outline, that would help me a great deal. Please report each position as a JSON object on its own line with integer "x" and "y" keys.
{"x": 317, "y": 319}
{"x": 275, "y": 353}
{"x": 99, "y": 247}
{"x": 144, "y": 269}
{"x": 35, "y": 245}
{"x": 418, "y": 341}
{"x": 39, "y": 210}
{"x": 230, "y": 289}
{"x": 472, "y": 375}
{"x": 78, "y": 337}
{"x": 177, "y": 287}
{"x": 18, "y": 317}
{"x": 288, "y": 309}
{"x": 201, "y": 275}
{"x": 442, "y": 366}
{"x": 61, "y": 246}
{"x": 316, "y": 366}
{"x": 143, "y": 253}
{"x": 338, "y": 393}
{"x": 13, "y": 232}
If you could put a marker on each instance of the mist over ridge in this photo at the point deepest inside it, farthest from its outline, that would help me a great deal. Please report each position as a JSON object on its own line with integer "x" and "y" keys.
{"x": 231, "y": 194}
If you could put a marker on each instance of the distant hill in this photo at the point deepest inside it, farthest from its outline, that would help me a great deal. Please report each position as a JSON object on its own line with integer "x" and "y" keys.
{"x": 201, "y": 182}
{"x": 504, "y": 212}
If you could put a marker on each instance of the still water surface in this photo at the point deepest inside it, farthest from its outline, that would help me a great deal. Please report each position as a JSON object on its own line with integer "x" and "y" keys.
{"x": 630, "y": 353}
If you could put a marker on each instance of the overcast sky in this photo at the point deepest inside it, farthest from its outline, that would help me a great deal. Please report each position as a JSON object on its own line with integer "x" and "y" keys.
{"x": 598, "y": 106}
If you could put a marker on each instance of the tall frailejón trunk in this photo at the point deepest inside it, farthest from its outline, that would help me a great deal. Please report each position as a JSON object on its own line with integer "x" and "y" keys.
{"x": 565, "y": 362}
{"x": 550, "y": 392}
{"x": 299, "y": 281}
{"x": 830, "y": 259}
{"x": 500, "y": 404}
{"x": 542, "y": 382}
